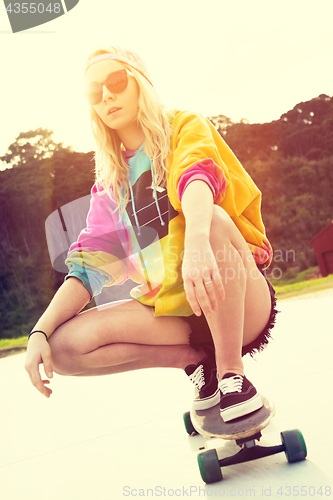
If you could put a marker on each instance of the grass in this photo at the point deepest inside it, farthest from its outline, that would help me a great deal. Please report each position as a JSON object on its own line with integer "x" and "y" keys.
{"x": 8, "y": 347}
{"x": 299, "y": 284}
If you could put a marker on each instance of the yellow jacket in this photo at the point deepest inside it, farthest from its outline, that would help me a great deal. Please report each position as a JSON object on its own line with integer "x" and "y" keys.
{"x": 194, "y": 140}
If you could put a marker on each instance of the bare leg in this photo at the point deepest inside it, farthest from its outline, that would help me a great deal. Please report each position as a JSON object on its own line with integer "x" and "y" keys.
{"x": 118, "y": 339}
{"x": 245, "y": 311}
{"x": 141, "y": 356}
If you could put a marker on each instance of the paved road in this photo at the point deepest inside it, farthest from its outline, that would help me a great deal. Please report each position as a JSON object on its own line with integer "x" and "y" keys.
{"x": 123, "y": 436}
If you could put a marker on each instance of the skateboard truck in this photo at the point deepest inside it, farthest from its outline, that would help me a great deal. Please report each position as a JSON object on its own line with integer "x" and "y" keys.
{"x": 250, "y": 451}
{"x": 245, "y": 431}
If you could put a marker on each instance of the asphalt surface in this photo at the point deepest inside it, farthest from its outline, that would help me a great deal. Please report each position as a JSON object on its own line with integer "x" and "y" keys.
{"x": 122, "y": 436}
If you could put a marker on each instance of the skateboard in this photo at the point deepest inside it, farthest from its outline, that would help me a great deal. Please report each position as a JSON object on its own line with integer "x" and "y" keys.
{"x": 245, "y": 431}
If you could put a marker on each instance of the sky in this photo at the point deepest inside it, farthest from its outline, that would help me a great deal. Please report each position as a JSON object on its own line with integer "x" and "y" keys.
{"x": 250, "y": 59}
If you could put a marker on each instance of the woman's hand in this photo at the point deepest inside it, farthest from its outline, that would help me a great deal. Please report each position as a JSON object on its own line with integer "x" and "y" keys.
{"x": 202, "y": 281}
{"x": 71, "y": 298}
{"x": 39, "y": 351}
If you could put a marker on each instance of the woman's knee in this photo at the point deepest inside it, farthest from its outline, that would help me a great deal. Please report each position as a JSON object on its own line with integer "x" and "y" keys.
{"x": 258, "y": 307}
{"x": 226, "y": 236}
{"x": 62, "y": 352}
{"x": 226, "y": 240}
{"x": 221, "y": 224}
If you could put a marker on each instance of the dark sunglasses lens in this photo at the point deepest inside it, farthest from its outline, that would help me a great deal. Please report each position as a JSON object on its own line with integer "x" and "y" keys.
{"x": 117, "y": 81}
{"x": 94, "y": 93}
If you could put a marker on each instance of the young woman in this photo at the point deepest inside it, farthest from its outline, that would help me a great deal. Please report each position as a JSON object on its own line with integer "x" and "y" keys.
{"x": 172, "y": 209}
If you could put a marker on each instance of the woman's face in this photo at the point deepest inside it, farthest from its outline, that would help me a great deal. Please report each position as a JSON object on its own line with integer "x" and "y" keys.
{"x": 118, "y": 111}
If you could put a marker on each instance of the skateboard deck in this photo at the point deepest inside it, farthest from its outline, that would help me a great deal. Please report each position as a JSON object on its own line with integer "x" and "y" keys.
{"x": 245, "y": 431}
{"x": 209, "y": 423}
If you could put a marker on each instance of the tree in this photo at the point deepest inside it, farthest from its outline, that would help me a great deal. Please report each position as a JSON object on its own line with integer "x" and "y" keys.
{"x": 29, "y": 193}
{"x": 304, "y": 131}
{"x": 31, "y": 147}
{"x": 221, "y": 123}
{"x": 307, "y": 129}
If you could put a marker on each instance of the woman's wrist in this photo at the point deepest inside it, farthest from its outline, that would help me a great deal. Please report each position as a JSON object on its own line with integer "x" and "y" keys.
{"x": 196, "y": 236}
{"x": 38, "y": 332}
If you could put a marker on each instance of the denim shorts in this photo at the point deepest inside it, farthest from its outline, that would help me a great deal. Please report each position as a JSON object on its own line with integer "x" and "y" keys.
{"x": 200, "y": 332}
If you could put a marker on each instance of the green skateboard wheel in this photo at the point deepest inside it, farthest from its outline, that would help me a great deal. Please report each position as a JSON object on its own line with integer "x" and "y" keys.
{"x": 295, "y": 447}
{"x": 209, "y": 466}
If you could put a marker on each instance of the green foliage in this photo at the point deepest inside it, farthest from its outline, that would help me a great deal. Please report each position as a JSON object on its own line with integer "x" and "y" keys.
{"x": 297, "y": 287}
{"x": 17, "y": 342}
{"x": 305, "y": 131}
{"x": 31, "y": 147}
{"x": 297, "y": 203}
{"x": 253, "y": 141}
{"x": 29, "y": 193}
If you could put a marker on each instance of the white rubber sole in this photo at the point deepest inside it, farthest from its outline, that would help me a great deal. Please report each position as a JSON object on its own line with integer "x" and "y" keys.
{"x": 242, "y": 409}
{"x": 206, "y": 403}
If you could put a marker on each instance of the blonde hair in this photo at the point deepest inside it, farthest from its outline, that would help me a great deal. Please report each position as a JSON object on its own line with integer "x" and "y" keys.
{"x": 111, "y": 170}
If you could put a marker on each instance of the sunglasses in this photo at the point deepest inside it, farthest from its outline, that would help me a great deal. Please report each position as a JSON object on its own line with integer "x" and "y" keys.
{"x": 116, "y": 82}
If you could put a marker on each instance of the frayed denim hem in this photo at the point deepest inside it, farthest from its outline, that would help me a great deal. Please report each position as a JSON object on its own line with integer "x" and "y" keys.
{"x": 265, "y": 336}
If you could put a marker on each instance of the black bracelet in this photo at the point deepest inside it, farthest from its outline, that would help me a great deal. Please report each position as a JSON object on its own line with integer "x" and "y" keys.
{"x": 37, "y": 331}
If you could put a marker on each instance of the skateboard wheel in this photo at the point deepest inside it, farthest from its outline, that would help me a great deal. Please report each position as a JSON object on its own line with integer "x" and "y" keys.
{"x": 294, "y": 444}
{"x": 188, "y": 424}
{"x": 209, "y": 466}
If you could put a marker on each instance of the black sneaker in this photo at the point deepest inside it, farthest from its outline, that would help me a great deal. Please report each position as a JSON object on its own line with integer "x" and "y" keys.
{"x": 239, "y": 397}
{"x": 204, "y": 377}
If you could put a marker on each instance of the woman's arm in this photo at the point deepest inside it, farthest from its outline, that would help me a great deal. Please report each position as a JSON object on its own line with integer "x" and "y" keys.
{"x": 199, "y": 264}
{"x": 197, "y": 206}
{"x": 71, "y": 297}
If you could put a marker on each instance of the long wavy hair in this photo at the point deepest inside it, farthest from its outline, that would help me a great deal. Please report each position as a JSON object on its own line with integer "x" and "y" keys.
{"x": 111, "y": 170}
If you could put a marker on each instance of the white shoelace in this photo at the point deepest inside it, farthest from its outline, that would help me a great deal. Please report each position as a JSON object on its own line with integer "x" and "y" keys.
{"x": 198, "y": 377}
{"x": 231, "y": 384}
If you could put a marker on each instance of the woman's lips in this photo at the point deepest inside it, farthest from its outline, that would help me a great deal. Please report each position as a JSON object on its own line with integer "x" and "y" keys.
{"x": 113, "y": 110}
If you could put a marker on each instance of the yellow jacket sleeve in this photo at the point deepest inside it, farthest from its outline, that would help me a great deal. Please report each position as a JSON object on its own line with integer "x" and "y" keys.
{"x": 194, "y": 140}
